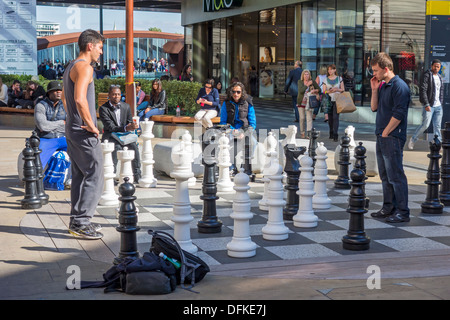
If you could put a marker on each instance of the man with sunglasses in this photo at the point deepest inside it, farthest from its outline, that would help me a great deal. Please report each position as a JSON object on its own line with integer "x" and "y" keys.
{"x": 239, "y": 114}
{"x": 208, "y": 99}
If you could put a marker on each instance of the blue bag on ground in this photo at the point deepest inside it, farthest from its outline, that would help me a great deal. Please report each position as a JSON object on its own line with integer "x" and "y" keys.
{"x": 55, "y": 174}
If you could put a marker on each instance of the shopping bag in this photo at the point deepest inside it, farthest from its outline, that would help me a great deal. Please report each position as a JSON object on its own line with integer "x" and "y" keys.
{"x": 344, "y": 103}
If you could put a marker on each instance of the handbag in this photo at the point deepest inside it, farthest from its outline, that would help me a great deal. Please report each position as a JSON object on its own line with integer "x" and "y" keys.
{"x": 344, "y": 103}
{"x": 56, "y": 172}
{"x": 325, "y": 104}
{"x": 313, "y": 102}
{"x": 125, "y": 138}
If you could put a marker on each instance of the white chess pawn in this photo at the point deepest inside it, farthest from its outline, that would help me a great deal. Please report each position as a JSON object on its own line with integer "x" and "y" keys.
{"x": 126, "y": 170}
{"x": 241, "y": 245}
{"x": 305, "y": 217}
{"x": 271, "y": 146}
{"x": 320, "y": 198}
{"x": 224, "y": 183}
{"x": 182, "y": 206}
{"x": 109, "y": 196}
{"x": 147, "y": 180}
{"x": 187, "y": 139}
{"x": 275, "y": 228}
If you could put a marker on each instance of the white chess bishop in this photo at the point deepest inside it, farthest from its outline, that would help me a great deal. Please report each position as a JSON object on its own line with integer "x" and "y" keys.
{"x": 320, "y": 198}
{"x": 224, "y": 183}
{"x": 305, "y": 217}
{"x": 147, "y": 180}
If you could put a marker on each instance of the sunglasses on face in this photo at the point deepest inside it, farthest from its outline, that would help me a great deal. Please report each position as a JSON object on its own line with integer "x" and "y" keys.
{"x": 208, "y": 87}
{"x": 236, "y": 92}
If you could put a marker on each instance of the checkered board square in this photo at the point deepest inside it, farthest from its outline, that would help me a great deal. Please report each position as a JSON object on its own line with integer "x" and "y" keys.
{"x": 423, "y": 232}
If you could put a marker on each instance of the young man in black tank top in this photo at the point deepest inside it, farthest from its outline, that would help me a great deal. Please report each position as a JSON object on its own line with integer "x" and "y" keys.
{"x": 83, "y": 144}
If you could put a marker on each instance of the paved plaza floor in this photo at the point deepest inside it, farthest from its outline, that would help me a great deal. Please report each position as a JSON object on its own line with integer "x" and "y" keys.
{"x": 413, "y": 257}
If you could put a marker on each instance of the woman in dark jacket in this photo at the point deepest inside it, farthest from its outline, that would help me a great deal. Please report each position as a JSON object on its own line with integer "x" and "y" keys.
{"x": 208, "y": 99}
{"x": 157, "y": 103}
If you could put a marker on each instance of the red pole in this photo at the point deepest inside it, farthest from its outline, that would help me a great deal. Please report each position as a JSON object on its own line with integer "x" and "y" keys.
{"x": 129, "y": 55}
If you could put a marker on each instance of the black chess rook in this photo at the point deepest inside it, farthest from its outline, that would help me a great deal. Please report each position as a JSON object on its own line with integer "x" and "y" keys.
{"x": 432, "y": 203}
{"x": 31, "y": 199}
{"x": 128, "y": 223}
{"x": 342, "y": 181}
{"x": 356, "y": 238}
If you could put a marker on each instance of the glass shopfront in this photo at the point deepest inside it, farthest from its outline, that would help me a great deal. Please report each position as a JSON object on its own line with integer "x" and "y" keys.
{"x": 260, "y": 48}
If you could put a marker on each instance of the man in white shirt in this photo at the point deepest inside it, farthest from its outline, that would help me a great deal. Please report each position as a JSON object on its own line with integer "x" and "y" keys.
{"x": 431, "y": 95}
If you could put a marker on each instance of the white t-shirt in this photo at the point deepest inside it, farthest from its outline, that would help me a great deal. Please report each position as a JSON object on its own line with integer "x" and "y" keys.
{"x": 437, "y": 86}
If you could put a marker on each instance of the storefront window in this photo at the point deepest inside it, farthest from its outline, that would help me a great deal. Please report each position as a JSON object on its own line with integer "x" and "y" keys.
{"x": 403, "y": 38}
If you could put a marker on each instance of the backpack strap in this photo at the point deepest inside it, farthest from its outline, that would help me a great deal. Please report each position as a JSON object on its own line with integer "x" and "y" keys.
{"x": 186, "y": 267}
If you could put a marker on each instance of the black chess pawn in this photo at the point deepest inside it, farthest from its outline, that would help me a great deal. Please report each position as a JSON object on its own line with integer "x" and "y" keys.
{"x": 342, "y": 181}
{"x": 31, "y": 199}
{"x": 360, "y": 156}
{"x": 292, "y": 169}
{"x": 356, "y": 238}
{"x": 444, "y": 194}
{"x": 34, "y": 143}
{"x": 313, "y": 145}
{"x": 432, "y": 203}
{"x": 209, "y": 223}
{"x": 128, "y": 220}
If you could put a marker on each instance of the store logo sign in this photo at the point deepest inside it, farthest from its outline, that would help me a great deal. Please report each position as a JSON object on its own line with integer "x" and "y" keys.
{"x": 216, "y": 5}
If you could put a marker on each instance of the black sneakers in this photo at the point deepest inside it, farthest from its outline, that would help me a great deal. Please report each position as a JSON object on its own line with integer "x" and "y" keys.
{"x": 89, "y": 231}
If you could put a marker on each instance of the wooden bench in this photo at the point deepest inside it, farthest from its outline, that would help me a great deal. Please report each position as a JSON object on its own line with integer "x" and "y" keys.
{"x": 103, "y": 98}
{"x": 14, "y": 110}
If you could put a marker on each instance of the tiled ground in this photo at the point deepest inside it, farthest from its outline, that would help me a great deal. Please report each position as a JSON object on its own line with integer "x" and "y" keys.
{"x": 423, "y": 232}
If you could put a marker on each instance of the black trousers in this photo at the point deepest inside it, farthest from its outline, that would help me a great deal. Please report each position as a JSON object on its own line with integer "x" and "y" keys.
{"x": 333, "y": 120}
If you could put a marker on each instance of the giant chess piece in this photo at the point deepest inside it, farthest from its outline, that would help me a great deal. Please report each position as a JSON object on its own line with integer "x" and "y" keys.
{"x": 305, "y": 217}
{"x": 275, "y": 228}
{"x": 432, "y": 204}
{"x": 356, "y": 238}
{"x": 31, "y": 199}
{"x": 109, "y": 196}
{"x": 126, "y": 170}
{"x": 147, "y": 180}
{"x": 241, "y": 245}
{"x": 342, "y": 181}
{"x": 209, "y": 222}
{"x": 34, "y": 143}
{"x": 313, "y": 145}
{"x": 182, "y": 217}
{"x": 320, "y": 198}
{"x": 187, "y": 139}
{"x": 270, "y": 146}
{"x": 224, "y": 184}
{"x": 248, "y": 153}
{"x": 128, "y": 221}
{"x": 360, "y": 156}
{"x": 292, "y": 170}
{"x": 444, "y": 193}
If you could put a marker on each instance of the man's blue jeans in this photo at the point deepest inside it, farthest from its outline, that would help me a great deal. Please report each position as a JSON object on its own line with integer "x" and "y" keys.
{"x": 434, "y": 115}
{"x": 389, "y": 153}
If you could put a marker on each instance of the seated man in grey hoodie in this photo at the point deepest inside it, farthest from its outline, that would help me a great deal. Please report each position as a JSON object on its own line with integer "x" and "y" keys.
{"x": 50, "y": 119}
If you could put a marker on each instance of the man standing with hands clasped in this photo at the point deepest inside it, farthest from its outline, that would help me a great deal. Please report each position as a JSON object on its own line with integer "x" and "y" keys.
{"x": 431, "y": 96}
{"x": 390, "y": 99}
{"x": 83, "y": 144}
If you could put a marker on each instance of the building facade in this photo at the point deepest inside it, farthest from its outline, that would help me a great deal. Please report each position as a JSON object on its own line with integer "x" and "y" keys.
{"x": 254, "y": 40}
{"x": 64, "y": 47}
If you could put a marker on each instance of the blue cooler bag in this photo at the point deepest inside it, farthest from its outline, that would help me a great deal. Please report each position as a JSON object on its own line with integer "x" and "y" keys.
{"x": 56, "y": 171}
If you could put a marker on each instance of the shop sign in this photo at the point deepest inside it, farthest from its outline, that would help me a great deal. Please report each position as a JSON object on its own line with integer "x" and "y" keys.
{"x": 217, "y": 5}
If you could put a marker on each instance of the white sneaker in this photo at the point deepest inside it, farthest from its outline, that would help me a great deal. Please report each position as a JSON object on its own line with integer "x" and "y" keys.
{"x": 411, "y": 143}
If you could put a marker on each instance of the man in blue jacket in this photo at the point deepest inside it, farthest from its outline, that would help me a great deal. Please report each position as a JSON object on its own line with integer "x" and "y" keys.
{"x": 291, "y": 86}
{"x": 390, "y": 99}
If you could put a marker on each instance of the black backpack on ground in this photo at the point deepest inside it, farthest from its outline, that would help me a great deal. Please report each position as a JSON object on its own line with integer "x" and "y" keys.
{"x": 147, "y": 275}
{"x": 192, "y": 270}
